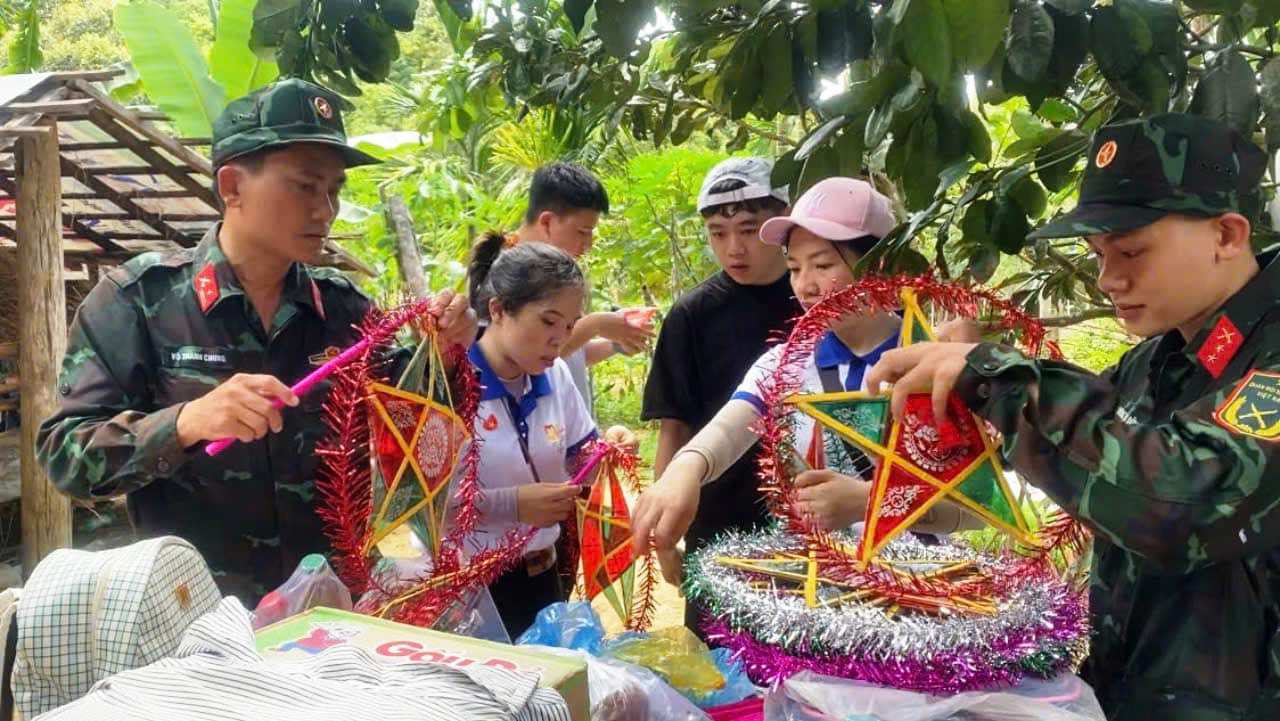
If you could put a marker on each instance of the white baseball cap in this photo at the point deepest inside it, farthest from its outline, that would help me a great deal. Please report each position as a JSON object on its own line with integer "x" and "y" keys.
{"x": 753, "y": 173}
{"x": 835, "y": 209}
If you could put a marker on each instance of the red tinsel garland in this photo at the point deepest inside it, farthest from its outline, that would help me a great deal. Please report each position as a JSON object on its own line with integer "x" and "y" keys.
{"x": 344, "y": 478}
{"x": 877, "y": 294}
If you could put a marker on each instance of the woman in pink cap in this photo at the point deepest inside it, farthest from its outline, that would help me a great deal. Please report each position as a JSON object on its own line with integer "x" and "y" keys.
{"x": 831, "y": 227}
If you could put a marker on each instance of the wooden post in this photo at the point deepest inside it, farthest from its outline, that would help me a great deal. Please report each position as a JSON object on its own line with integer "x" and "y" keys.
{"x": 407, "y": 255}
{"x": 42, "y": 335}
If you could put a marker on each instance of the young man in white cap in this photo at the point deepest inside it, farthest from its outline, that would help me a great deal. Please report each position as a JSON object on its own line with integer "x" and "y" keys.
{"x": 715, "y": 331}
{"x": 833, "y": 225}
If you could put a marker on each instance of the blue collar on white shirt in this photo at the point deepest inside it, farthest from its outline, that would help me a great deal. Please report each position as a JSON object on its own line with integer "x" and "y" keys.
{"x": 493, "y": 388}
{"x": 832, "y": 353}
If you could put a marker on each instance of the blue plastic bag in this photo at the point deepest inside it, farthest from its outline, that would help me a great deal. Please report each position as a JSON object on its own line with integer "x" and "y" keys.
{"x": 566, "y": 625}
{"x": 736, "y": 684}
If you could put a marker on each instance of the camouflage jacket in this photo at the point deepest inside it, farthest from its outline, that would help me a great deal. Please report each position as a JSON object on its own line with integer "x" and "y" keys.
{"x": 164, "y": 329}
{"x": 1172, "y": 459}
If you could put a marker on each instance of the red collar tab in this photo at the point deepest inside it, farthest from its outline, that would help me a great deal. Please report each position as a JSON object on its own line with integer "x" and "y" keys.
{"x": 1220, "y": 347}
{"x": 206, "y": 285}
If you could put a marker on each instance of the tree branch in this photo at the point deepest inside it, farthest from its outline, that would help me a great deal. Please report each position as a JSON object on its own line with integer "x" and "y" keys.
{"x": 1250, "y": 49}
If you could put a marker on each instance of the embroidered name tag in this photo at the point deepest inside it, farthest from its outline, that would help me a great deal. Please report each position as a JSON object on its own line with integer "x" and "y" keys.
{"x": 1253, "y": 408}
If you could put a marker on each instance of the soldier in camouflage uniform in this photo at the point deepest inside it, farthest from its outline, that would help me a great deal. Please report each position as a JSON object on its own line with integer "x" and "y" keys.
{"x": 1172, "y": 457}
{"x": 172, "y": 350}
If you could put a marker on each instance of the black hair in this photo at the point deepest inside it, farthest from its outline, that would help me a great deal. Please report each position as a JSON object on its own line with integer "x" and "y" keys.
{"x": 860, "y": 245}
{"x": 517, "y": 274}
{"x": 564, "y": 188}
{"x": 767, "y": 204}
{"x": 252, "y": 161}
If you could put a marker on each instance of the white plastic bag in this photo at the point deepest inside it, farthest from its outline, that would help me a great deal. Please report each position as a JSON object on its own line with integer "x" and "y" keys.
{"x": 810, "y": 697}
{"x": 621, "y": 691}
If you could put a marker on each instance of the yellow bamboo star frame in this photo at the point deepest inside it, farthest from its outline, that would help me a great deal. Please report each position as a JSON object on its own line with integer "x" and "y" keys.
{"x": 913, "y": 320}
{"x": 425, "y": 406}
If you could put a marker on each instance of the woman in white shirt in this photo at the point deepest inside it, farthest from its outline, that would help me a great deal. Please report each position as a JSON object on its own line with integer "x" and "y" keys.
{"x": 532, "y": 423}
{"x": 831, "y": 227}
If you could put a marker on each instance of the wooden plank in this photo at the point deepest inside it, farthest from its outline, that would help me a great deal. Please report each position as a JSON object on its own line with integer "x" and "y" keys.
{"x": 72, "y": 106}
{"x": 99, "y": 186}
{"x": 113, "y": 145}
{"x": 76, "y": 225}
{"x": 8, "y": 384}
{"x": 42, "y": 340}
{"x": 132, "y": 120}
{"x": 131, "y": 193}
{"x": 90, "y": 75}
{"x": 113, "y": 127}
{"x": 104, "y": 215}
{"x": 9, "y": 350}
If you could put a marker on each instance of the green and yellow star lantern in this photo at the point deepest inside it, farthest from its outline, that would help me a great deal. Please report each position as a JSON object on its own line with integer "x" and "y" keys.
{"x": 883, "y": 605}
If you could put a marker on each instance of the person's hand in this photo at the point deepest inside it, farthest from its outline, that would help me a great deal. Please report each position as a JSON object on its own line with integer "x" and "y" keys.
{"x": 456, "y": 322}
{"x": 959, "y": 330}
{"x": 623, "y": 437}
{"x": 240, "y": 408}
{"x": 665, "y": 510}
{"x": 920, "y": 368}
{"x": 832, "y": 500}
{"x": 614, "y": 327}
{"x": 545, "y": 504}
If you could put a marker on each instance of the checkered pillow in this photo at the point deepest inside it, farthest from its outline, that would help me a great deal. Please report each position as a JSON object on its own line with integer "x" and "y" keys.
{"x": 87, "y": 615}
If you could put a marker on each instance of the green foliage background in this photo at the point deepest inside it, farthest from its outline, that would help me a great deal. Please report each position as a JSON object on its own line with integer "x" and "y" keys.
{"x": 460, "y": 149}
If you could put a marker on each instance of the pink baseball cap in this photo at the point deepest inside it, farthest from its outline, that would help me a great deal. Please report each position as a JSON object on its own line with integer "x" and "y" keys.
{"x": 835, "y": 209}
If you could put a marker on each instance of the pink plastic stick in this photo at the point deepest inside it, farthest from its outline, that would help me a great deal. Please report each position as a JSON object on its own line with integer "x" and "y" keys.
{"x": 590, "y": 465}
{"x": 301, "y": 388}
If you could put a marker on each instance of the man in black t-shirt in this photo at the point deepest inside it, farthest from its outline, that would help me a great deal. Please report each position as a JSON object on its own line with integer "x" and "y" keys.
{"x": 714, "y": 333}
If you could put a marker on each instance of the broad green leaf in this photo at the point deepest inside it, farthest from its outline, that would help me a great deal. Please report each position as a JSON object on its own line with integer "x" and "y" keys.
{"x": 1120, "y": 39}
{"x": 1025, "y": 125}
{"x": 920, "y": 179}
{"x": 24, "y": 49}
{"x": 817, "y": 167}
{"x": 1030, "y": 41}
{"x": 576, "y": 10}
{"x": 778, "y": 75}
{"x": 399, "y": 14}
{"x": 373, "y": 46}
{"x": 976, "y": 226}
{"x": 126, "y": 86}
{"x": 820, "y": 136}
{"x": 1056, "y": 111}
{"x": 1070, "y": 49}
{"x": 979, "y": 140}
{"x": 832, "y": 50}
{"x": 1009, "y": 226}
{"x": 1071, "y": 7}
{"x": 1270, "y": 81}
{"x": 231, "y": 63}
{"x": 927, "y": 40}
{"x": 1214, "y": 6}
{"x": 623, "y": 20}
{"x": 1030, "y": 197}
{"x": 272, "y": 19}
{"x": 983, "y": 263}
{"x": 848, "y": 146}
{"x": 786, "y": 170}
{"x": 977, "y": 27}
{"x": 1228, "y": 93}
{"x": 1262, "y": 13}
{"x": 461, "y": 8}
{"x": 1056, "y": 159}
{"x": 173, "y": 72}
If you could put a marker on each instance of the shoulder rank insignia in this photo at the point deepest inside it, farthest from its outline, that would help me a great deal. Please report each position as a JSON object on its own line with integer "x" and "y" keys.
{"x": 1220, "y": 347}
{"x": 1253, "y": 408}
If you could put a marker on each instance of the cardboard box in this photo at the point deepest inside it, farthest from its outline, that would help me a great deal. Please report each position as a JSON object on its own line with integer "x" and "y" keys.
{"x": 313, "y": 631}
